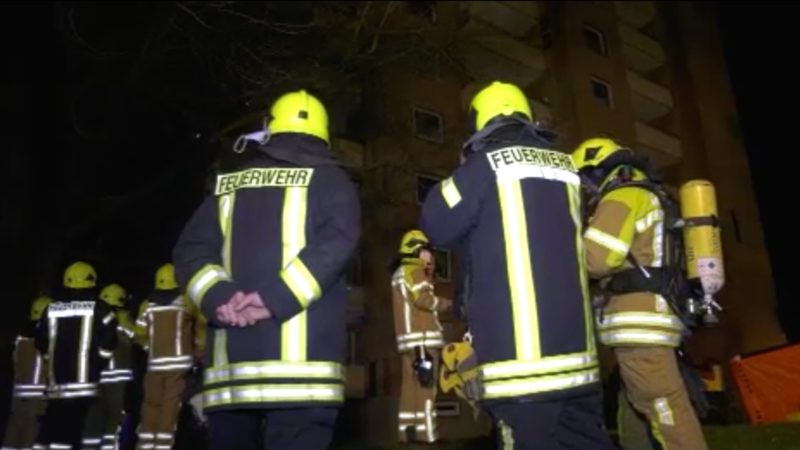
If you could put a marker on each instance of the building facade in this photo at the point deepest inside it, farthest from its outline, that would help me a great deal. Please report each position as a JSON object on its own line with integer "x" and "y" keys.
{"x": 650, "y": 74}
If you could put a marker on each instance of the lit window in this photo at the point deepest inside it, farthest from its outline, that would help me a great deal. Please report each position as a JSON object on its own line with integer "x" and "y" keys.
{"x": 424, "y": 184}
{"x": 427, "y": 125}
{"x": 602, "y": 92}
{"x": 595, "y": 40}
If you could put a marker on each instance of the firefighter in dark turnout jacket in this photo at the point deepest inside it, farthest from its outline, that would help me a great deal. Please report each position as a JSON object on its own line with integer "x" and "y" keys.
{"x": 105, "y": 414}
{"x": 29, "y": 384}
{"x": 281, "y": 230}
{"x": 78, "y": 334}
{"x": 515, "y": 206}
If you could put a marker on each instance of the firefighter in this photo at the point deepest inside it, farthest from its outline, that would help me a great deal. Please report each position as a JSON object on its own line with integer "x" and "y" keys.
{"x": 514, "y": 206}
{"x": 265, "y": 258}
{"x": 419, "y": 336}
{"x": 628, "y": 247}
{"x": 167, "y": 329}
{"x": 77, "y": 333}
{"x": 30, "y": 381}
{"x": 105, "y": 414}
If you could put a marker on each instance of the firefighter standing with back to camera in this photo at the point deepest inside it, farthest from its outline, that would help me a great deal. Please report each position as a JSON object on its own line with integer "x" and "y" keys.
{"x": 633, "y": 245}
{"x": 514, "y": 204}
{"x": 419, "y": 336}
{"x": 105, "y": 414}
{"x": 168, "y": 328}
{"x": 30, "y": 381}
{"x": 264, "y": 258}
{"x": 78, "y": 334}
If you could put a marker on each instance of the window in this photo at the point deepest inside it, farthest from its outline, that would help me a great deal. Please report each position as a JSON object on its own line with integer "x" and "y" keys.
{"x": 427, "y": 125}
{"x": 602, "y": 92}
{"x": 595, "y": 40}
{"x": 442, "y": 258}
{"x": 424, "y": 184}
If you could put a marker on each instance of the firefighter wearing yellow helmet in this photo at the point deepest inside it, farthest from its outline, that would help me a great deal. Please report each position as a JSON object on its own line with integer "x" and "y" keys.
{"x": 513, "y": 211}
{"x": 30, "y": 380}
{"x": 631, "y": 246}
{"x": 419, "y": 336}
{"x": 77, "y": 333}
{"x": 171, "y": 332}
{"x": 264, "y": 258}
{"x": 105, "y": 415}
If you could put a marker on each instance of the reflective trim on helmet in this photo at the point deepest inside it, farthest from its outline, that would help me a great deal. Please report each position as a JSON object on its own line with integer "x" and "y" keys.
{"x": 273, "y": 393}
{"x": 536, "y": 385}
{"x": 546, "y": 365}
{"x": 450, "y": 192}
{"x": 608, "y": 241}
{"x": 275, "y": 369}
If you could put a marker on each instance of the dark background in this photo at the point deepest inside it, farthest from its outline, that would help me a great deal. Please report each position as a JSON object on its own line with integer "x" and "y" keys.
{"x": 107, "y": 160}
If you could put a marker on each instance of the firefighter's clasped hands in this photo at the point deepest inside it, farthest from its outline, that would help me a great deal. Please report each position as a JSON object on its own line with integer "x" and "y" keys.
{"x": 243, "y": 310}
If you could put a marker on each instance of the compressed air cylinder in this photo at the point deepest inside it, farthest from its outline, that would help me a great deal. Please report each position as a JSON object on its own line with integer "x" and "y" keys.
{"x": 701, "y": 235}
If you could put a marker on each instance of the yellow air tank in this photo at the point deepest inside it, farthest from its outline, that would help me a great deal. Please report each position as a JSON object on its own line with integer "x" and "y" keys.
{"x": 701, "y": 235}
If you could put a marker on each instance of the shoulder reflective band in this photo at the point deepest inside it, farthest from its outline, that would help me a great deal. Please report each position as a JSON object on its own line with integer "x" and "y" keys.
{"x": 648, "y": 220}
{"x": 640, "y": 337}
{"x": 273, "y": 393}
{"x": 535, "y": 385}
{"x": 450, "y": 193}
{"x": 608, "y": 241}
{"x": 203, "y": 280}
{"x": 639, "y": 319}
{"x": 275, "y": 369}
{"x": 548, "y": 365}
{"x": 520, "y": 272}
{"x": 301, "y": 282}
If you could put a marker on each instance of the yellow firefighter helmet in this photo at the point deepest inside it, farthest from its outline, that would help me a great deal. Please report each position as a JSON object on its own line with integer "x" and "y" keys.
{"x": 113, "y": 295}
{"x": 592, "y": 152}
{"x": 497, "y": 99}
{"x": 80, "y": 275}
{"x": 165, "y": 278}
{"x": 412, "y": 242}
{"x": 299, "y": 112}
{"x": 460, "y": 372}
{"x": 38, "y": 306}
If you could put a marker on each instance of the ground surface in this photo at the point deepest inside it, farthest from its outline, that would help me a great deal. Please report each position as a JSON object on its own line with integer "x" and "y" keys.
{"x": 739, "y": 437}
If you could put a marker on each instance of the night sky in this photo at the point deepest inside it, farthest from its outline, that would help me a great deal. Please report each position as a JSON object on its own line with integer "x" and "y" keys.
{"x": 115, "y": 149}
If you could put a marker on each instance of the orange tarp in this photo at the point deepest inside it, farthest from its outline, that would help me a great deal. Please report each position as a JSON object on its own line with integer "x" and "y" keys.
{"x": 769, "y": 384}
